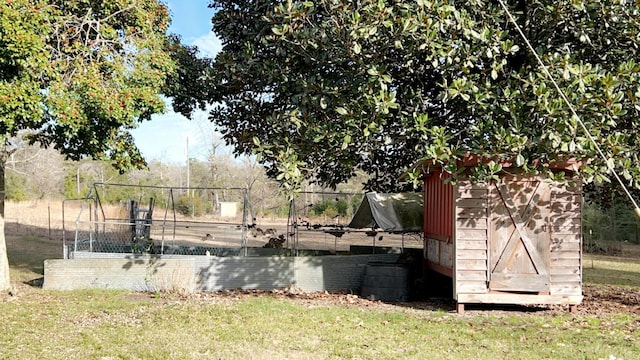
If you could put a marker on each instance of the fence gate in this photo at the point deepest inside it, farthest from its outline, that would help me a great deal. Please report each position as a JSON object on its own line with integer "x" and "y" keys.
{"x": 519, "y": 236}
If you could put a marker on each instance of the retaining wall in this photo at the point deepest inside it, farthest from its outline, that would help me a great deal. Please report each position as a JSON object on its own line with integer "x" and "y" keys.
{"x": 204, "y": 273}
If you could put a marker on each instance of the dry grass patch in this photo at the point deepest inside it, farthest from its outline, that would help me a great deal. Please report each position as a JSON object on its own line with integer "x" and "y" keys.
{"x": 27, "y": 255}
{"x": 609, "y": 270}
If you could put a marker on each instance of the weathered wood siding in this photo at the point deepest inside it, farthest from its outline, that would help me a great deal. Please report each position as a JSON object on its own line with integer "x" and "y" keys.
{"x": 566, "y": 241}
{"x": 514, "y": 241}
{"x": 519, "y": 239}
{"x": 440, "y": 253}
{"x": 470, "y": 238}
{"x": 521, "y": 236}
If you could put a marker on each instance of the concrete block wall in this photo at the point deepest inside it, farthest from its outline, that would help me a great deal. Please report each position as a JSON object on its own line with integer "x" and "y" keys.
{"x": 145, "y": 273}
{"x": 266, "y": 273}
{"x": 140, "y": 274}
{"x": 319, "y": 273}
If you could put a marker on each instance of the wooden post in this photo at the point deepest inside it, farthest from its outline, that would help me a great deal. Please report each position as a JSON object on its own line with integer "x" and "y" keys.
{"x": 460, "y": 308}
{"x": 49, "y": 220}
{"x": 573, "y": 309}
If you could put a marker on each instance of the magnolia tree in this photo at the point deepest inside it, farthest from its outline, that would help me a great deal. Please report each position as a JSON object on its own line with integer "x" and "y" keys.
{"x": 320, "y": 88}
{"x": 77, "y": 75}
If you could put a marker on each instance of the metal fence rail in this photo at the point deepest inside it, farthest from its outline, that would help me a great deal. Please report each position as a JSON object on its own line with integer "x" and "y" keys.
{"x": 117, "y": 218}
{"x": 121, "y": 218}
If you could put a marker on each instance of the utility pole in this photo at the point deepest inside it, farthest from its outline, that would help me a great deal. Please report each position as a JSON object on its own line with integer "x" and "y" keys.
{"x": 188, "y": 192}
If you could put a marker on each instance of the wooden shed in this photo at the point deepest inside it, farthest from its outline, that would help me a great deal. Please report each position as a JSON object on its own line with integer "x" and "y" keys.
{"x": 515, "y": 241}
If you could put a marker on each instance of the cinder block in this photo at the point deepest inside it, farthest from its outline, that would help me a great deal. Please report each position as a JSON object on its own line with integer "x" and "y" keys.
{"x": 134, "y": 273}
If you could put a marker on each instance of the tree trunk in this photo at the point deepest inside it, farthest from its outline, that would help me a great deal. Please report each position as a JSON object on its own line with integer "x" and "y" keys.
{"x": 5, "y": 282}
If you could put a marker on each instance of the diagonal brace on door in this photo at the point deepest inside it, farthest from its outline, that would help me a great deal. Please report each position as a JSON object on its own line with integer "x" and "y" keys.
{"x": 521, "y": 228}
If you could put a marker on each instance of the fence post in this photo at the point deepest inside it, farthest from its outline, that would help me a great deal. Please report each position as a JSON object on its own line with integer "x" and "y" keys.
{"x": 49, "y": 218}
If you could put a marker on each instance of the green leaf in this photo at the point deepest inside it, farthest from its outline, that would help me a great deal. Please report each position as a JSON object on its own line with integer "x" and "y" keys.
{"x": 278, "y": 30}
{"x": 356, "y": 48}
{"x": 346, "y": 141}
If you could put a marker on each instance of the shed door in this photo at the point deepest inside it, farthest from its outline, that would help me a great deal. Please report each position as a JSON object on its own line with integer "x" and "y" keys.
{"x": 519, "y": 236}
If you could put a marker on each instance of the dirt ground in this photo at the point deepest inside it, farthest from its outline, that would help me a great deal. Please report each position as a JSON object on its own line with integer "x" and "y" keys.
{"x": 598, "y": 301}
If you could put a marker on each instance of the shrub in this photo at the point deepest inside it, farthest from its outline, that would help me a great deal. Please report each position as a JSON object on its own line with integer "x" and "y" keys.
{"x": 16, "y": 187}
{"x": 331, "y": 208}
{"x": 191, "y": 206}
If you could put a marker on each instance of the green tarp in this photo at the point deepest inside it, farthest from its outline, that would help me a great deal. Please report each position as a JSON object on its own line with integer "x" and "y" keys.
{"x": 399, "y": 212}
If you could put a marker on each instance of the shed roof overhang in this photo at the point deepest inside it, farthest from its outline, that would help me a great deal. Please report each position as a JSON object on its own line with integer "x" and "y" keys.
{"x": 470, "y": 160}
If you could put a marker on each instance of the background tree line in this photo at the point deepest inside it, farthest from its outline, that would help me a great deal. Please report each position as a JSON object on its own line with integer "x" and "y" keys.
{"x": 34, "y": 173}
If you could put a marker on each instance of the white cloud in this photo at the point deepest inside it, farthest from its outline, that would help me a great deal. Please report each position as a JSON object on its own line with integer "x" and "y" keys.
{"x": 209, "y": 45}
{"x": 166, "y": 136}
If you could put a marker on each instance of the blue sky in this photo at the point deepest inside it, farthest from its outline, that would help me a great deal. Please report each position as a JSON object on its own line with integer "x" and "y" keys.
{"x": 165, "y": 137}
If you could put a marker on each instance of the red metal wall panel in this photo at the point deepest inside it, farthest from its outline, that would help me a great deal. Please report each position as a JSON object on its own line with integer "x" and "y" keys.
{"x": 438, "y": 205}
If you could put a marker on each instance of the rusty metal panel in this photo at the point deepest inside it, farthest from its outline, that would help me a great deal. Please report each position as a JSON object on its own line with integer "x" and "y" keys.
{"x": 438, "y": 205}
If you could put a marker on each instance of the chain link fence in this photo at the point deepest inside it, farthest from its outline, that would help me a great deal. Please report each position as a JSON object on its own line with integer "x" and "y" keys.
{"x": 120, "y": 218}
{"x": 607, "y": 231}
{"x": 319, "y": 221}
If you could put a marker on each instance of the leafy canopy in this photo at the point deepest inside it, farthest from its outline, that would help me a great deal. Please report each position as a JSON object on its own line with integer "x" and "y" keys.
{"x": 77, "y": 74}
{"x": 320, "y": 88}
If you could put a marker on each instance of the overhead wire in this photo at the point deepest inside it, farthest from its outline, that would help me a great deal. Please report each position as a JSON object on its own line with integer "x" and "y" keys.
{"x": 571, "y": 108}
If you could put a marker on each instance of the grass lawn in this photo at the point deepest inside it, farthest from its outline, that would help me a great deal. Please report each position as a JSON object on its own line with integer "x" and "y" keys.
{"x": 40, "y": 324}
{"x": 607, "y": 270}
